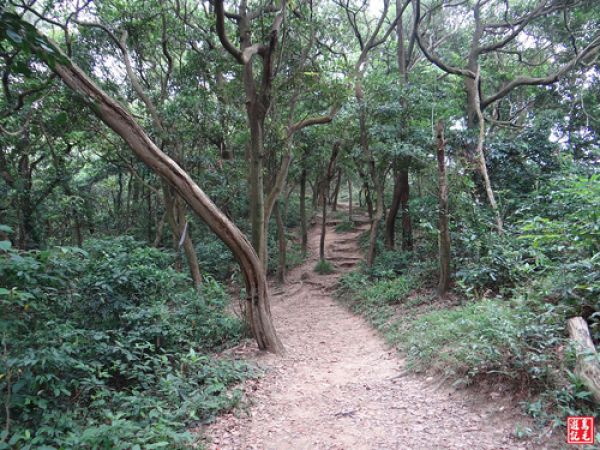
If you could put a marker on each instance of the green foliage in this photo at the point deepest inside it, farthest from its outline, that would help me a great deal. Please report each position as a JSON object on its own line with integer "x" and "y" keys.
{"x": 495, "y": 263}
{"x": 389, "y": 264}
{"x": 294, "y": 255}
{"x": 489, "y": 337}
{"x": 24, "y": 36}
{"x": 216, "y": 258}
{"x": 107, "y": 348}
{"x": 374, "y": 299}
{"x": 544, "y": 269}
{"x": 324, "y": 267}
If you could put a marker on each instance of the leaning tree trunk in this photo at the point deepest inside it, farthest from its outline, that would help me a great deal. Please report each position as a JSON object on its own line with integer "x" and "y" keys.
{"x": 587, "y": 367}
{"x": 444, "y": 231}
{"x": 116, "y": 117}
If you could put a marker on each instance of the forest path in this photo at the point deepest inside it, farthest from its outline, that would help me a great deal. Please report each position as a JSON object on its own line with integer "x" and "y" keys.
{"x": 339, "y": 386}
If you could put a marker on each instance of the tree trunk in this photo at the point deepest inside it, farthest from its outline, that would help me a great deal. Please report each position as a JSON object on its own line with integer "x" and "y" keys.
{"x": 315, "y": 193}
{"x": 27, "y": 236}
{"x": 325, "y": 194}
{"x": 159, "y": 230}
{"x": 336, "y": 191}
{"x": 188, "y": 246}
{"x": 587, "y": 367}
{"x": 286, "y": 206}
{"x": 377, "y": 181}
{"x": 323, "y": 223}
{"x": 390, "y": 223}
{"x": 303, "y": 230}
{"x": 369, "y": 202}
{"x": 256, "y": 182}
{"x": 444, "y": 231}
{"x": 150, "y": 217}
{"x": 122, "y": 122}
{"x": 349, "y": 199}
{"x": 281, "y": 243}
{"x": 481, "y": 160}
{"x": 407, "y": 238}
{"x": 175, "y": 213}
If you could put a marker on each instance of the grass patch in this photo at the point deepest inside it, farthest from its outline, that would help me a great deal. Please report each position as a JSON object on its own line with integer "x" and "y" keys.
{"x": 324, "y": 267}
{"x": 344, "y": 227}
{"x": 376, "y": 300}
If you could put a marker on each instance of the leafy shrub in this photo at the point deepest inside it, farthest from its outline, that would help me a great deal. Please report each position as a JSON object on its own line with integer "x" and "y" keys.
{"x": 216, "y": 259}
{"x": 388, "y": 264}
{"x": 566, "y": 240}
{"x": 106, "y": 348}
{"x": 501, "y": 263}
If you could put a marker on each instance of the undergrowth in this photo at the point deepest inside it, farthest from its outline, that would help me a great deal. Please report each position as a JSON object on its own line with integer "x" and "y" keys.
{"x": 107, "y": 347}
{"x": 345, "y": 226}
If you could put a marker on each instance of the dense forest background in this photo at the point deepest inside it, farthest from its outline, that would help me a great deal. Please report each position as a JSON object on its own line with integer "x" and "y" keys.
{"x": 158, "y": 158}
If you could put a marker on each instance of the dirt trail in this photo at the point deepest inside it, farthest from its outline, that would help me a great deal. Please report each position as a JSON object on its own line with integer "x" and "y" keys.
{"x": 340, "y": 387}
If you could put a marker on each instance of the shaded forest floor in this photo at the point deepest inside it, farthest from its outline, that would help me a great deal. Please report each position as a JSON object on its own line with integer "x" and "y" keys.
{"x": 340, "y": 387}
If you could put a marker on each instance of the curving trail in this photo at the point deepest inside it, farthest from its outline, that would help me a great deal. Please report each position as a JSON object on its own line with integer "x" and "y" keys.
{"x": 340, "y": 387}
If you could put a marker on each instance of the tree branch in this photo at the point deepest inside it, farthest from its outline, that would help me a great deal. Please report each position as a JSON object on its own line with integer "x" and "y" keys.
{"x": 433, "y": 58}
{"x": 590, "y": 51}
{"x": 220, "y": 25}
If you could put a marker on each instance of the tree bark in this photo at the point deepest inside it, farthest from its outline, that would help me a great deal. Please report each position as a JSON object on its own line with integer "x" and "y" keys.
{"x": 443, "y": 229}
{"x": 116, "y": 117}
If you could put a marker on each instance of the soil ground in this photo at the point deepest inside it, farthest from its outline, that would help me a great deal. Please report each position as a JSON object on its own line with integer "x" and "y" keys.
{"x": 340, "y": 387}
